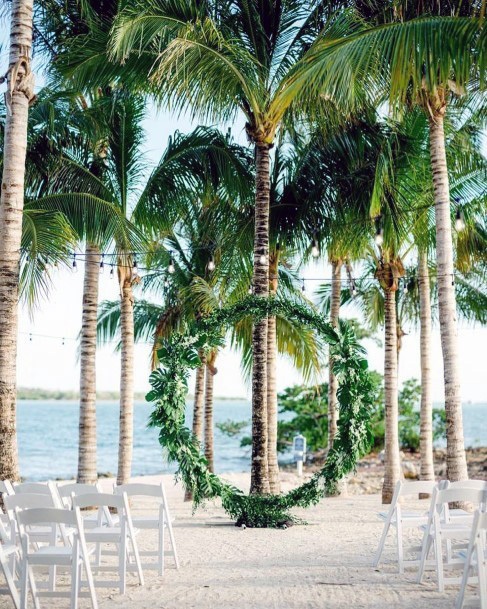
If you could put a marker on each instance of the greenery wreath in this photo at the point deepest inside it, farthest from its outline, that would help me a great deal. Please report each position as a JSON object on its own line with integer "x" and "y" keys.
{"x": 179, "y": 354}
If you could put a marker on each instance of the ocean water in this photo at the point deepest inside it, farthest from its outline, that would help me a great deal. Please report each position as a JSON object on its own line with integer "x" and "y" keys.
{"x": 48, "y": 438}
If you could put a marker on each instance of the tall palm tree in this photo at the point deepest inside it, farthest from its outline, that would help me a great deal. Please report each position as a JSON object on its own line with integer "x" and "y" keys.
{"x": 20, "y": 93}
{"x": 224, "y": 59}
{"x": 427, "y": 61}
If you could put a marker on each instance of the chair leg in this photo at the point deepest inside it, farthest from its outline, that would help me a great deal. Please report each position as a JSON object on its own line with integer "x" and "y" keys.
{"x": 400, "y": 549}
{"x": 138, "y": 564}
{"x": 24, "y": 584}
{"x": 382, "y": 542}
{"x": 465, "y": 576}
{"x": 10, "y": 583}
{"x": 173, "y": 543}
{"x": 75, "y": 582}
{"x": 482, "y": 573}
{"x": 90, "y": 582}
{"x": 439, "y": 565}
{"x": 33, "y": 589}
{"x": 161, "y": 549}
{"x": 122, "y": 563}
{"x": 425, "y": 550}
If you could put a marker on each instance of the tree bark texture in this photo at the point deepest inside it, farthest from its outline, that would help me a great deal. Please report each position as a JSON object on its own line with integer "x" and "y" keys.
{"x": 336, "y": 288}
{"x": 87, "y": 471}
{"x": 273, "y": 464}
{"x": 198, "y": 409}
{"x": 456, "y": 461}
{"x": 19, "y": 93}
{"x": 126, "y": 430}
{"x": 259, "y": 483}
{"x": 209, "y": 435}
{"x": 392, "y": 464}
{"x": 427, "y": 471}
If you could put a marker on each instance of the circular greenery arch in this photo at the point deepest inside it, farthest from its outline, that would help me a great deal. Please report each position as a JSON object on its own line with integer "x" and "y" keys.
{"x": 180, "y": 353}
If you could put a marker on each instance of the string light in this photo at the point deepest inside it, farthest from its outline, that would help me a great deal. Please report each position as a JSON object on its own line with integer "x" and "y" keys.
{"x": 405, "y": 288}
{"x": 263, "y": 259}
{"x": 135, "y": 262}
{"x": 166, "y": 283}
{"x": 102, "y": 264}
{"x": 303, "y": 287}
{"x": 111, "y": 272}
{"x": 250, "y": 290}
{"x": 75, "y": 265}
{"x": 379, "y": 232}
{"x": 459, "y": 221}
{"x": 211, "y": 264}
{"x": 171, "y": 268}
{"x": 315, "y": 250}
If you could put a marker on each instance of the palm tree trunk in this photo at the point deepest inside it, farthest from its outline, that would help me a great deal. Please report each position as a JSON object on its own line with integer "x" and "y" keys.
{"x": 456, "y": 462}
{"x": 391, "y": 459}
{"x": 336, "y": 288}
{"x": 198, "y": 409}
{"x": 87, "y": 472}
{"x": 259, "y": 482}
{"x": 126, "y": 432}
{"x": 273, "y": 463}
{"x": 19, "y": 93}
{"x": 199, "y": 399}
{"x": 209, "y": 443}
{"x": 427, "y": 471}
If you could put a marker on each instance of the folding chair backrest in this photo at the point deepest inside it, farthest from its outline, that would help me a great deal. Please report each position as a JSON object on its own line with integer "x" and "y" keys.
{"x": 66, "y": 491}
{"x": 28, "y": 501}
{"x": 455, "y": 495}
{"x": 39, "y": 488}
{"x": 416, "y": 487}
{"x": 101, "y": 500}
{"x": 42, "y": 516}
{"x": 31, "y": 487}
{"x": 475, "y": 484}
{"x": 139, "y": 489}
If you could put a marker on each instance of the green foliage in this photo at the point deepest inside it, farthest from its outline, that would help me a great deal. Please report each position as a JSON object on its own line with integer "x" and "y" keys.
{"x": 169, "y": 382}
{"x": 310, "y": 405}
{"x": 232, "y": 428}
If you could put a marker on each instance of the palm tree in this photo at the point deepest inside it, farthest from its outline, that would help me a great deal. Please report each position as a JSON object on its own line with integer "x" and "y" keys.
{"x": 20, "y": 93}
{"x": 427, "y": 61}
{"x": 230, "y": 58}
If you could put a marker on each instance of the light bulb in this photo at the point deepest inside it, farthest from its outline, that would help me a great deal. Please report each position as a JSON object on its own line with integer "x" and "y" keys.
{"x": 459, "y": 221}
{"x": 75, "y": 264}
{"x": 111, "y": 272}
{"x": 166, "y": 283}
{"x": 315, "y": 251}
{"x": 102, "y": 265}
{"x": 405, "y": 290}
{"x": 171, "y": 269}
{"x": 250, "y": 289}
{"x": 211, "y": 264}
{"x": 303, "y": 287}
{"x": 379, "y": 236}
{"x": 263, "y": 259}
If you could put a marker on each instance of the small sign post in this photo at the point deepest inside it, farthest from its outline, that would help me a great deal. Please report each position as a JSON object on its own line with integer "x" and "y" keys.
{"x": 299, "y": 450}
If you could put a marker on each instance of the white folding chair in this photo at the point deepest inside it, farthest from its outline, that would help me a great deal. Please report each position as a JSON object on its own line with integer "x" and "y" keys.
{"x": 476, "y": 559}
{"x": 121, "y": 534}
{"x": 77, "y": 489}
{"x": 9, "y": 554}
{"x": 56, "y": 553}
{"x": 441, "y": 528}
{"x": 158, "y": 522}
{"x": 40, "y": 488}
{"x": 401, "y": 519}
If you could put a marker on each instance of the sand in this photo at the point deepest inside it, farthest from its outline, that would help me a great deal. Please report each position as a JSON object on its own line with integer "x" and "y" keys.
{"x": 326, "y": 563}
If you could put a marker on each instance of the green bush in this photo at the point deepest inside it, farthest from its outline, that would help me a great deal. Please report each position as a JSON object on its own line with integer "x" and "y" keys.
{"x": 310, "y": 406}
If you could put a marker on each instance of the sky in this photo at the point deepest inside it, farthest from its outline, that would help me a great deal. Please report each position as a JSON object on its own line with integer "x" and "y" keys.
{"x": 47, "y": 348}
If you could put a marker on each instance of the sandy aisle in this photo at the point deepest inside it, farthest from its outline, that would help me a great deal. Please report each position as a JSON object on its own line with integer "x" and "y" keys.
{"x": 324, "y": 564}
